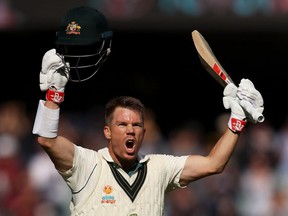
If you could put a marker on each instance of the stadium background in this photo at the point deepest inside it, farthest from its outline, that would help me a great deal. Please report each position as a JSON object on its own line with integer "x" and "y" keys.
{"x": 153, "y": 55}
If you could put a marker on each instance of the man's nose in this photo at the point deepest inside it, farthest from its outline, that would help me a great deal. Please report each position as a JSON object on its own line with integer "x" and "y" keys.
{"x": 130, "y": 128}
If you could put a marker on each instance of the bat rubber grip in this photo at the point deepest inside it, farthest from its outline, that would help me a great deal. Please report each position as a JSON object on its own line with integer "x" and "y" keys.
{"x": 255, "y": 115}
{"x": 251, "y": 110}
{"x": 258, "y": 116}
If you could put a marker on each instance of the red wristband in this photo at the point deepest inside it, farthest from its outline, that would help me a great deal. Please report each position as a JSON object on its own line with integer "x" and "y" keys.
{"x": 237, "y": 125}
{"x": 54, "y": 96}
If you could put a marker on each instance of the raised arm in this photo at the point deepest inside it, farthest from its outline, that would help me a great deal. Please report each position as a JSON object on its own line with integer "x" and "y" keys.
{"x": 53, "y": 78}
{"x": 251, "y": 101}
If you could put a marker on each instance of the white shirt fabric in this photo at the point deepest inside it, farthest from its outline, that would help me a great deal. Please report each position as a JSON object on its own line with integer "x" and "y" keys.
{"x": 95, "y": 190}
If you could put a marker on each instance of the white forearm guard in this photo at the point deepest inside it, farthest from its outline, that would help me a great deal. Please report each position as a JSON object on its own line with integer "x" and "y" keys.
{"x": 46, "y": 121}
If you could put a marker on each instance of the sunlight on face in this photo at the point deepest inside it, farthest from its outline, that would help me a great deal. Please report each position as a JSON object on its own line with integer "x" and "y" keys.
{"x": 126, "y": 134}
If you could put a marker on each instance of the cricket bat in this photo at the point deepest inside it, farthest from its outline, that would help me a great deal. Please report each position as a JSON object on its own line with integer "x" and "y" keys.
{"x": 213, "y": 66}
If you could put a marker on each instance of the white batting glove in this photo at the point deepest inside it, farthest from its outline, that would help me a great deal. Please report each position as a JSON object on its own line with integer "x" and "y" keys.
{"x": 251, "y": 100}
{"x": 54, "y": 76}
{"x": 237, "y": 120}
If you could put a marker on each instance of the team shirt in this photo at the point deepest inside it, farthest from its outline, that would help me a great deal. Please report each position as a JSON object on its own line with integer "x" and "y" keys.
{"x": 101, "y": 187}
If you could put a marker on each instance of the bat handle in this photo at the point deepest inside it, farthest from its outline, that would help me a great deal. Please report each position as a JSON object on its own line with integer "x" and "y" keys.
{"x": 254, "y": 114}
{"x": 258, "y": 116}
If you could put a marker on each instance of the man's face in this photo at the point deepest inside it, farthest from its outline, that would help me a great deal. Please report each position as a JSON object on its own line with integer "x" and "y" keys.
{"x": 125, "y": 135}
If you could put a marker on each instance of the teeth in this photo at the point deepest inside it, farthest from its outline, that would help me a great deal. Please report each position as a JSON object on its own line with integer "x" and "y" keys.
{"x": 129, "y": 143}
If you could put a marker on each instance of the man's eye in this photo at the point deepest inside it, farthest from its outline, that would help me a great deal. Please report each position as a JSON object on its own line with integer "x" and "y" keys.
{"x": 137, "y": 125}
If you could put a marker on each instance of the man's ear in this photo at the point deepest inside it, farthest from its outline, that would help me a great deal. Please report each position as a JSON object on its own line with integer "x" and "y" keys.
{"x": 107, "y": 132}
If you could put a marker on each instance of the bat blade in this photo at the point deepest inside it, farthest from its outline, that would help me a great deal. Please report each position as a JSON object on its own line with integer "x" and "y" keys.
{"x": 213, "y": 66}
{"x": 209, "y": 60}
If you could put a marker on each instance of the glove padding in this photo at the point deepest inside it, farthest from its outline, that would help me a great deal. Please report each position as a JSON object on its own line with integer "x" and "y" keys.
{"x": 251, "y": 100}
{"x": 237, "y": 119}
{"x": 54, "y": 72}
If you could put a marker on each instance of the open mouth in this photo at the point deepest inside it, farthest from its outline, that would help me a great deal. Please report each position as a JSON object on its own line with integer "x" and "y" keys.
{"x": 130, "y": 145}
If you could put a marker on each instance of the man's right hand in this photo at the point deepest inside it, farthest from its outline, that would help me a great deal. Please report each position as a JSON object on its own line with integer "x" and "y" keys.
{"x": 54, "y": 76}
{"x": 54, "y": 72}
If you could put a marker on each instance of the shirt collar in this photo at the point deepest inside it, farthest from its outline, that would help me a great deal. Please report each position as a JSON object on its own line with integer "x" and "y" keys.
{"x": 105, "y": 153}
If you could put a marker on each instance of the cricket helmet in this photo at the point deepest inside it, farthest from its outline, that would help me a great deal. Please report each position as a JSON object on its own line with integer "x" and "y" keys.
{"x": 84, "y": 41}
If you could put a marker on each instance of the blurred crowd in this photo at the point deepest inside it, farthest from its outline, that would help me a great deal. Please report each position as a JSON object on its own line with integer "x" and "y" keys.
{"x": 253, "y": 183}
